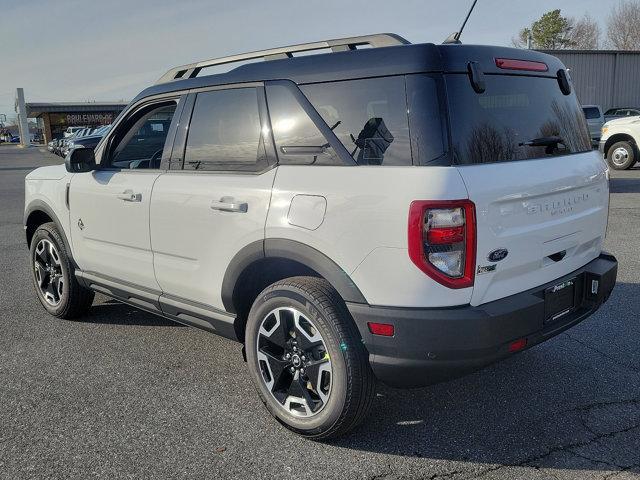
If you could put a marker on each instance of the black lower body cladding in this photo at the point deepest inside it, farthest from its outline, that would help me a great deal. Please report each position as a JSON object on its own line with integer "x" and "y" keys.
{"x": 431, "y": 345}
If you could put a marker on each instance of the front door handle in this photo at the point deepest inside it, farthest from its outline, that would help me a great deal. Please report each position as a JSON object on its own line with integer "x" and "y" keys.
{"x": 229, "y": 204}
{"x": 129, "y": 196}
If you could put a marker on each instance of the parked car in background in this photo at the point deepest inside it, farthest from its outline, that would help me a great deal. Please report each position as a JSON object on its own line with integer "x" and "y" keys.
{"x": 595, "y": 121}
{"x": 619, "y": 142}
{"x": 67, "y": 143}
{"x": 614, "y": 113}
{"x": 58, "y": 145}
{"x": 71, "y": 130}
{"x": 88, "y": 141}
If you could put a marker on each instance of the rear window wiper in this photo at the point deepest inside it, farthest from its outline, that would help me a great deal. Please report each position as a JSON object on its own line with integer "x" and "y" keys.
{"x": 550, "y": 142}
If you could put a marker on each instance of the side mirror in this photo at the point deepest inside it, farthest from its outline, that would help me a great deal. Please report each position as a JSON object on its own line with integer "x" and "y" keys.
{"x": 80, "y": 160}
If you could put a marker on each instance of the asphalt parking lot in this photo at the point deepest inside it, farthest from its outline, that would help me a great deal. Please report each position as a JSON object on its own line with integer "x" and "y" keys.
{"x": 125, "y": 394}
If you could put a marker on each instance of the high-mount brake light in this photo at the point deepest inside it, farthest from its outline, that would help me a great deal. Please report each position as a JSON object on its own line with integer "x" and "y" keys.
{"x": 515, "y": 64}
{"x": 442, "y": 240}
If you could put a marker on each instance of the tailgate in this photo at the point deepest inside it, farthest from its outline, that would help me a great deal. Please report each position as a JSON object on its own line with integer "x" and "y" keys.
{"x": 550, "y": 214}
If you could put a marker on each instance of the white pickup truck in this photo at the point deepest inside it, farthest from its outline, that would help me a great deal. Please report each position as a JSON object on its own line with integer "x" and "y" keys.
{"x": 619, "y": 142}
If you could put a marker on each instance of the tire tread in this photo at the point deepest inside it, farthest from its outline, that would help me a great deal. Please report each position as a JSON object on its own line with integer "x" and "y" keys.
{"x": 360, "y": 378}
{"x": 80, "y": 298}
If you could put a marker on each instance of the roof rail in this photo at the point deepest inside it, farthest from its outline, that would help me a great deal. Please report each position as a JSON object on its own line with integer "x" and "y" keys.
{"x": 191, "y": 70}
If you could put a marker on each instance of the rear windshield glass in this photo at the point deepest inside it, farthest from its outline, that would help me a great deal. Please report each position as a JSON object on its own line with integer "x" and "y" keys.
{"x": 516, "y": 118}
{"x": 591, "y": 112}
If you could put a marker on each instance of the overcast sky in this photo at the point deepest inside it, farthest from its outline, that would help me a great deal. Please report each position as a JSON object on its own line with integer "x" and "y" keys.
{"x": 78, "y": 50}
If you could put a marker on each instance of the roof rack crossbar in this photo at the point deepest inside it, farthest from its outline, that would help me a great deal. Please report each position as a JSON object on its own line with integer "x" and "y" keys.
{"x": 337, "y": 45}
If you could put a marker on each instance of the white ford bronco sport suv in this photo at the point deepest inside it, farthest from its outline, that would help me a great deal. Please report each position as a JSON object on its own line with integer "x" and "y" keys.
{"x": 407, "y": 213}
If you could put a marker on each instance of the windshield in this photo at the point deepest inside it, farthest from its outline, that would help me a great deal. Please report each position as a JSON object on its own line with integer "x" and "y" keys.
{"x": 591, "y": 112}
{"x": 517, "y": 118}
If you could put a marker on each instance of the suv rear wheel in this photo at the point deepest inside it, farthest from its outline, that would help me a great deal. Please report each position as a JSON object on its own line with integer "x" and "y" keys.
{"x": 621, "y": 156}
{"x": 54, "y": 277}
{"x": 307, "y": 360}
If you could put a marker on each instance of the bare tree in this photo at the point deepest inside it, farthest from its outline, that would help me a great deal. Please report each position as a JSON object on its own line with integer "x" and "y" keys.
{"x": 584, "y": 34}
{"x": 520, "y": 41}
{"x": 623, "y": 26}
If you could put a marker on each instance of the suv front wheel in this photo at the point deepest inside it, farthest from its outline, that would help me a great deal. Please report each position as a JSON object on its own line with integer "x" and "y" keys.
{"x": 307, "y": 360}
{"x": 54, "y": 276}
{"x": 621, "y": 156}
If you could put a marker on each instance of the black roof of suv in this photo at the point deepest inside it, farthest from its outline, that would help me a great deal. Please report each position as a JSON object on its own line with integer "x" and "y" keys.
{"x": 464, "y": 103}
{"x": 401, "y": 58}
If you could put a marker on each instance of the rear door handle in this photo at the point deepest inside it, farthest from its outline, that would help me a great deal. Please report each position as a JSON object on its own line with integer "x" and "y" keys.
{"x": 229, "y": 204}
{"x": 129, "y": 196}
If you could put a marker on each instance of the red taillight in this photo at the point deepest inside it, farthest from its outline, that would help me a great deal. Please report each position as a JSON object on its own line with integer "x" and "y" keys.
{"x": 444, "y": 236}
{"x": 442, "y": 240}
{"x": 513, "y": 64}
{"x": 382, "y": 329}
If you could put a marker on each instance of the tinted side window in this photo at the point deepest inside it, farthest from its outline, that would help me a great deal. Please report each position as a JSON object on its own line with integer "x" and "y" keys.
{"x": 298, "y": 140}
{"x": 140, "y": 142}
{"x": 368, "y": 116}
{"x": 225, "y": 132}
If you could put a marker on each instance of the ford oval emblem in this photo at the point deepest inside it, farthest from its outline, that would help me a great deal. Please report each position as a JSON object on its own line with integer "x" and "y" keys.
{"x": 498, "y": 254}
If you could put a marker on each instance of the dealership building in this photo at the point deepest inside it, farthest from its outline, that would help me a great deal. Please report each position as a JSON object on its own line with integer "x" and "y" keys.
{"x": 609, "y": 78}
{"x": 54, "y": 118}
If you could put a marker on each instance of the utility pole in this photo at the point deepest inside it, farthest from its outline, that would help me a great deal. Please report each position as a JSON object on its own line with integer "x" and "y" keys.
{"x": 23, "y": 124}
{"x": 529, "y": 40}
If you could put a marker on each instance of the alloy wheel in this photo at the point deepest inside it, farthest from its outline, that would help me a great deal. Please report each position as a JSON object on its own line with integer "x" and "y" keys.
{"x": 48, "y": 272}
{"x": 294, "y": 362}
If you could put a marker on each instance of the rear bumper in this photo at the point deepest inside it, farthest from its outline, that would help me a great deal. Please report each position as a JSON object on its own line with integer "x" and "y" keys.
{"x": 436, "y": 344}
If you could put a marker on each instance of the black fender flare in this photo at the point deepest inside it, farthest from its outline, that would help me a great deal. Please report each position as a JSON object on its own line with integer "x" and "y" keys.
{"x": 290, "y": 250}
{"x": 39, "y": 205}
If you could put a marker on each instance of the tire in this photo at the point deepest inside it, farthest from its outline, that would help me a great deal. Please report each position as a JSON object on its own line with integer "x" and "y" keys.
{"x": 342, "y": 397}
{"x": 621, "y": 156}
{"x": 56, "y": 287}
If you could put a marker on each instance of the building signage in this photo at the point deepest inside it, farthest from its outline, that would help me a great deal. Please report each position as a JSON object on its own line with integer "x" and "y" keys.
{"x": 80, "y": 119}
{"x": 77, "y": 119}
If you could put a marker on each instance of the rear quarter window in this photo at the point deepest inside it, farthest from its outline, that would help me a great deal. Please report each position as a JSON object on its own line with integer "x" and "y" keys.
{"x": 503, "y": 123}
{"x": 368, "y": 116}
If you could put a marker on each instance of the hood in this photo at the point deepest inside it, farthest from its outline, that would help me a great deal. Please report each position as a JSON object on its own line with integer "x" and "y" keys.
{"x": 623, "y": 121}
{"x": 87, "y": 139}
{"x": 54, "y": 172}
